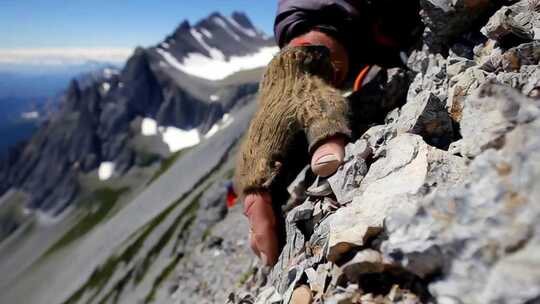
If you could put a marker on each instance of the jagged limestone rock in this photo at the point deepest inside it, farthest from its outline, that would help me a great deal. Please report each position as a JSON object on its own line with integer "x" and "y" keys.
{"x": 447, "y": 19}
{"x": 521, "y": 20}
{"x": 524, "y": 54}
{"x": 519, "y": 273}
{"x": 354, "y": 224}
{"x": 424, "y": 113}
{"x": 268, "y": 296}
{"x": 383, "y": 191}
{"x": 530, "y": 77}
{"x": 386, "y": 91}
{"x": 527, "y": 79}
{"x": 365, "y": 261}
{"x": 457, "y": 65}
{"x": 347, "y": 179}
{"x": 489, "y": 113}
{"x": 461, "y": 86}
{"x": 472, "y": 234}
{"x": 462, "y": 220}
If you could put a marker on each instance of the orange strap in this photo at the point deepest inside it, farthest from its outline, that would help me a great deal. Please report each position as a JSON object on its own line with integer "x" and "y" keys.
{"x": 360, "y": 78}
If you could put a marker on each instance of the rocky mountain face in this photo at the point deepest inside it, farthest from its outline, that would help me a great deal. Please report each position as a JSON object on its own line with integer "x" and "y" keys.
{"x": 214, "y": 35}
{"x": 438, "y": 203}
{"x": 100, "y": 115}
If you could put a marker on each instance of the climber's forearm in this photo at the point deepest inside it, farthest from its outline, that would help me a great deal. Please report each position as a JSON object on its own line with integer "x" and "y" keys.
{"x": 324, "y": 112}
{"x": 295, "y": 96}
{"x": 264, "y": 148}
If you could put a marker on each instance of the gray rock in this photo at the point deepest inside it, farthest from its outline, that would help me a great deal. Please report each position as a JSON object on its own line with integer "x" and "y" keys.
{"x": 521, "y": 20}
{"x": 386, "y": 91}
{"x": 465, "y": 233}
{"x": 461, "y": 86}
{"x": 519, "y": 273}
{"x": 346, "y": 180}
{"x": 431, "y": 225}
{"x": 530, "y": 77}
{"x": 365, "y": 261}
{"x": 527, "y": 80}
{"x": 489, "y": 113}
{"x": 382, "y": 191}
{"x": 447, "y": 19}
{"x": 269, "y": 296}
{"x": 522, "y": 55}
{"x": 212, "y": 209}
{"x": 424, "y": 113}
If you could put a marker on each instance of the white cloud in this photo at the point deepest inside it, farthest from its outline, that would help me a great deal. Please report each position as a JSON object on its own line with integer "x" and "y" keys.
{"x": 63, "y": 56}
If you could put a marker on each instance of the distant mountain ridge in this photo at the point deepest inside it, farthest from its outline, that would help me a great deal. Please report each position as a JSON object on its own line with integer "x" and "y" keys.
{"x": 100, "y": 115}
{"x": 216, "y": 47}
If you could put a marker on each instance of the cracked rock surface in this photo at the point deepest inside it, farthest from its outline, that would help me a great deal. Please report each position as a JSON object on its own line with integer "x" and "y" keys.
{"x": 438, "y": 204}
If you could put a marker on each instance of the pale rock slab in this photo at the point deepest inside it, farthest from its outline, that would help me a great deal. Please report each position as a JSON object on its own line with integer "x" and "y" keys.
{"x": 491, "y": 112}
{"x": 382, "y": 191}
{"x": 521, "y": 19}
{"x": 480, "y": 235}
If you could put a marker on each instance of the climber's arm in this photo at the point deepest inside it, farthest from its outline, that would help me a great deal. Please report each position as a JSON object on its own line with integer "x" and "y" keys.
{"x": 297, "y": 95}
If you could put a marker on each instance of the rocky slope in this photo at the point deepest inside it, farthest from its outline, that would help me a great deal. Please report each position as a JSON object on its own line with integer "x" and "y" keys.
{"x": 438, "y": 203}
{"x": 142, "y": 157}
{"x": 133, "y": 254}
{"x": 101, "y": 117}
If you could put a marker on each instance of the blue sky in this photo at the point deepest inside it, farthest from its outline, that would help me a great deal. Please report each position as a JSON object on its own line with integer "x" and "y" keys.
{"x": 33, "y": 24}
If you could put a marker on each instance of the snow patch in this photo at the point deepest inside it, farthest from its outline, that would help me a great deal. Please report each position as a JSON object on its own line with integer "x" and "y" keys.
{"x": 206, "y": 32}
{"x": 212, "y": 69}
{"x": 30, "y": 115}
{"x": 178, "y": 139}
{"x": 246, "y": 31}
{"x": 170, "y": 59}
{"x": 226, "y": 120}
{"x": 214, "y": 53}
{"x": 46, "y": 219}
{"x": 106, "y": 87}
{"x": 165, "y": 45}
{"x": 214, "y": 97}
{"x": 222, "y": 124}
{"x": 212, "y": 131}
{"x": 224, "y": 25}
{"x": 106, "y": 170}
{"x": 149, "y": 127}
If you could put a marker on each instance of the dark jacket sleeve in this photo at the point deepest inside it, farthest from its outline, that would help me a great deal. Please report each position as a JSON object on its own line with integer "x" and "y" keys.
{"x": 295, "y": 17}
{"x": 355, "y": 24}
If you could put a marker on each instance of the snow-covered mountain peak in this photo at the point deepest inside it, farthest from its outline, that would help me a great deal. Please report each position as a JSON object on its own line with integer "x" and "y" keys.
{"x": 216, "y": 46}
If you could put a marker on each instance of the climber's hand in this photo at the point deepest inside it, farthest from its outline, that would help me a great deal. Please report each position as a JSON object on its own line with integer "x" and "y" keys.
{"x": 262, "y": 222}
